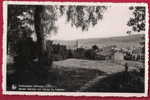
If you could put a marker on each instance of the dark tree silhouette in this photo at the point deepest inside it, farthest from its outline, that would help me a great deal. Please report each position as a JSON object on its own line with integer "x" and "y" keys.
{"x": 26, "y": 20}
{"x": 19, "y": 17}
{"x": 43, "y": 18}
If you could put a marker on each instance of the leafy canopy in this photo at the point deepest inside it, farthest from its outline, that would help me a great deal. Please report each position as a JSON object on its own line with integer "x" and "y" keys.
{"x": 137, "y": 21}
{"x": 21, "y": 19}
{"x": 21, "y": 16}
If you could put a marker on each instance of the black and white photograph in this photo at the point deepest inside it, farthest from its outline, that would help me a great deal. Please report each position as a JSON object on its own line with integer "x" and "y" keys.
{"x": 75, "y": 49}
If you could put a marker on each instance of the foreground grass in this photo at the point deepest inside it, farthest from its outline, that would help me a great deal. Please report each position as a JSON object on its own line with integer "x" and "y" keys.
{"x": 129, "y": 82}
{"x": 75, "y": 75}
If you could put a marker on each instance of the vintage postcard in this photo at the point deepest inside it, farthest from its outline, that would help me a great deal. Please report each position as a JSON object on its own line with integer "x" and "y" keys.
{"x": 75, "y": 49}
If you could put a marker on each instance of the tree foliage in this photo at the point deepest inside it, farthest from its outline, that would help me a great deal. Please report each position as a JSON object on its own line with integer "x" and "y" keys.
{"x": 41, "y": 20}
{"x": 85, "y": 16}
{"x": 19, "y": 23}
{"x": 137, "y": 21}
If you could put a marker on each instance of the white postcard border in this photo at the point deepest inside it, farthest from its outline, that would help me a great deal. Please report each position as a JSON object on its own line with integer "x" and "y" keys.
{"x": 5, "y": 92}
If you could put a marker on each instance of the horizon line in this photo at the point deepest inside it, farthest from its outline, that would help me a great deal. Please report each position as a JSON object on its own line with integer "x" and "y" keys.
{"x": 96, "y": 37}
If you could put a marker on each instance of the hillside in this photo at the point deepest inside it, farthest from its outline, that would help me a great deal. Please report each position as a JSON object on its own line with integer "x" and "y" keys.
{"x": 120, "y": 42}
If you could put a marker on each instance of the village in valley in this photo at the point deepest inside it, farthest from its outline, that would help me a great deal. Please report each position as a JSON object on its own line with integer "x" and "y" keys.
{"x": 104, "y": 51}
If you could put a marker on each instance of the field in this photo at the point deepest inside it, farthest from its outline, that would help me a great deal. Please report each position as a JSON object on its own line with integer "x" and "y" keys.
{"x": 108, "y": 67}
{"x": 86, "y": 75}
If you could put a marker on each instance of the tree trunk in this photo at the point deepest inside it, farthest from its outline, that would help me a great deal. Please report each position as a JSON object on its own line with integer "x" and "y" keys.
{"x": 43, "y": 63}
{"x": 39, "y": 31}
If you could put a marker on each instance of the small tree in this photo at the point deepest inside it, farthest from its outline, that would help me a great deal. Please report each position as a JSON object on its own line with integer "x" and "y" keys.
{"x": 95, "y": 47}
{"x": 137, "y": 22}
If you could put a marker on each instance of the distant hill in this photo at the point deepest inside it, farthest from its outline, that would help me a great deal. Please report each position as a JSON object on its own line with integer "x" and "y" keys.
{"x": 120, "y": 42}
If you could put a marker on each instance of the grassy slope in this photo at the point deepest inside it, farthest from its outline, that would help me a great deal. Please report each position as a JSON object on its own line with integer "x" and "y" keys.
{"x": 116, "y": 79}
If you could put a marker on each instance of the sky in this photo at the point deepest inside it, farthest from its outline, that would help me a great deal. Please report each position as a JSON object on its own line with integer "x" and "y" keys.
{"x": 114, "y": 23}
